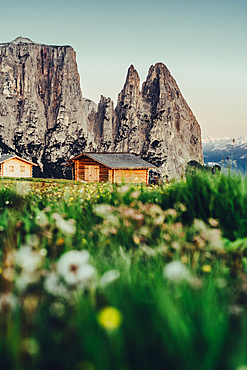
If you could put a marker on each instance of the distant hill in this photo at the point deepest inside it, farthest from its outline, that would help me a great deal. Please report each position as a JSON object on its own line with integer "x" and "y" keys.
{"x": 231, "y": 151}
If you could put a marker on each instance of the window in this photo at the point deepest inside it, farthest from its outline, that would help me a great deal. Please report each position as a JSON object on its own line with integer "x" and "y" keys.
{"x": 11, "y": 168}
{"x": 22, "y": 168}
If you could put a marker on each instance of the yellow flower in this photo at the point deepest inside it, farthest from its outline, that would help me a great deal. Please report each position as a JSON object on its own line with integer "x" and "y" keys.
{"x": 60, "y": 241}
{"x": 206, "y": 268}
{"x": 136, "y": 239}
{"x": 110, "y": 318}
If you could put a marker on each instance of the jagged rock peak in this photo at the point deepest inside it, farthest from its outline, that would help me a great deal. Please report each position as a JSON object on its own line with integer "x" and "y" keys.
{"x": 23, "y": 40}
{"x": 132, "y": 84}
{"x": 159, "y": 68}
{"x": 132, "y": 76}
{"x": 159, "y": 82}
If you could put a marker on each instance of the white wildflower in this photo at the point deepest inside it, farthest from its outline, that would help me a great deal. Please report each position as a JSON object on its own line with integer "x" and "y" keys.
{"x": 124, "y": 188}
{"x": 28, "y": 259}
{"x": 42, "y": 219}
{"x": 149, "y": 251}
{"x": 26, "y": 278}
{"x": 54, "y": 286}
{"x": 87, "y": 276}
{"x": 176, "y": 271}
{"x": 111, "y": 219}
{"x": 103, "y": 210}
{"x": 33, "y": 240}
{"x": 73, "y": 267}
{"x": 108, "y": 277}
{"x": 43, "y": 252}
{"x": 135, "y": 194}
{"x": 67, "y": 227}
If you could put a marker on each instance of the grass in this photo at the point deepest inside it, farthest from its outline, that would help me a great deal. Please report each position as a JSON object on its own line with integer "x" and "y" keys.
{"x": 99, "y": 276}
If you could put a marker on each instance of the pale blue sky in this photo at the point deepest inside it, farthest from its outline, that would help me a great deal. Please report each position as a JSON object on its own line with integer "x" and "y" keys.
{"x": 202, "y": 42}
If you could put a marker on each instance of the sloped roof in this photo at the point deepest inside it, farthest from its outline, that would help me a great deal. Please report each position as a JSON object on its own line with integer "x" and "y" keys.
{"x": 117, "y": 160}
{"x": 5, "y": 157}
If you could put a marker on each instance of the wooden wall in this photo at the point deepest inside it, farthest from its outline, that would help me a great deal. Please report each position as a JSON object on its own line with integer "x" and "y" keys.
{"x": 131, "y": 175}
{"x": 16, "y": 168}
{"x": 97, "y": 173}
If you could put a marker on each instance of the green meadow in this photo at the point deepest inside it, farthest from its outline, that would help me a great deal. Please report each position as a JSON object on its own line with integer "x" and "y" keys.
{"x": 107, "y": 277}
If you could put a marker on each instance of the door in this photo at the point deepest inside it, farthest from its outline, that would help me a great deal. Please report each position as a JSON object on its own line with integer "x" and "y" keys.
{"x": 92, "y": 173}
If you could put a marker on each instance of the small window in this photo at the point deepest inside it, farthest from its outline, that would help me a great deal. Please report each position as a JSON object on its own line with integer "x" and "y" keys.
{"x": 23, "y": 168}
{"x": 11, "y": 168}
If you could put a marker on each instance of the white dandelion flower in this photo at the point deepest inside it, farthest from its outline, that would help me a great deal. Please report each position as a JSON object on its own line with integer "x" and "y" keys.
{"x": 28, "y": 259}
{"x": 74, "y": 269}
{"x": 176, "y": 271}
{"x": 54, "y": 286}
{"x": 108, "y": 277}
{"x": 67, "y": 227}
{"x": 25, "y": 279}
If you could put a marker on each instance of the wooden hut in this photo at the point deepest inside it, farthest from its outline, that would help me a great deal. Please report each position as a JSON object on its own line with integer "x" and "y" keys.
{"x": 110, "y": 167}
{"x": 13, "y": 166}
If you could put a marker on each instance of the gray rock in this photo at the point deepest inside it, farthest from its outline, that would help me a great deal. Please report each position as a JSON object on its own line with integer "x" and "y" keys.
{"x": 42, "y": 113}
{"x": 155, "y": 123}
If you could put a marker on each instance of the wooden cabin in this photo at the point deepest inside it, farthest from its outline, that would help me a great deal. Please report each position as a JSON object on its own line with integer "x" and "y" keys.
{"x": 13, "y": 166}
{"x": 110, "y": 167}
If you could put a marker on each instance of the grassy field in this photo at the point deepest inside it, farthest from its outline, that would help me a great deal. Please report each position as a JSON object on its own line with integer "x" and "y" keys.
{"x": 101, "y": 277}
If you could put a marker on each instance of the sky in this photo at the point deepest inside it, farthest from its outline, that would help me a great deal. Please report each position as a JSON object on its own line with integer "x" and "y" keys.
{"x": 202, "y": 42}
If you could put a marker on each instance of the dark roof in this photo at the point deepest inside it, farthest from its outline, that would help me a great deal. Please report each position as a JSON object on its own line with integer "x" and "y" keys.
{"x": 117, "y": 160}
{"x": 5, "y": 157}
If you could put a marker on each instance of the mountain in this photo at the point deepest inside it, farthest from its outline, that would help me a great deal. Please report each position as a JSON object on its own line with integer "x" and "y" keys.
{"x": 154, "y": 122}
{"x": 44, "y": 117}
{"x": 224, "y": 151}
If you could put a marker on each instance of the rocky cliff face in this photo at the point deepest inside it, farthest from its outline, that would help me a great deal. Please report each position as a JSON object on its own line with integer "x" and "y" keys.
{"x": 155, "y": 123}
{"x": 44, "y": 117}
{"x": 42, "y": 113}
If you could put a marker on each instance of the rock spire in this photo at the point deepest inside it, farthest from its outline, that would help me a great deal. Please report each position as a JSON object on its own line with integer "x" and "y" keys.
{"x": 155, "y": 123}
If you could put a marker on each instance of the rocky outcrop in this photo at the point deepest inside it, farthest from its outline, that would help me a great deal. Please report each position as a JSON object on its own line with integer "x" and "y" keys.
{"x": 42, "y": 113}
{"x": 44, "y": 117}
{"x": 155, "y": 123}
